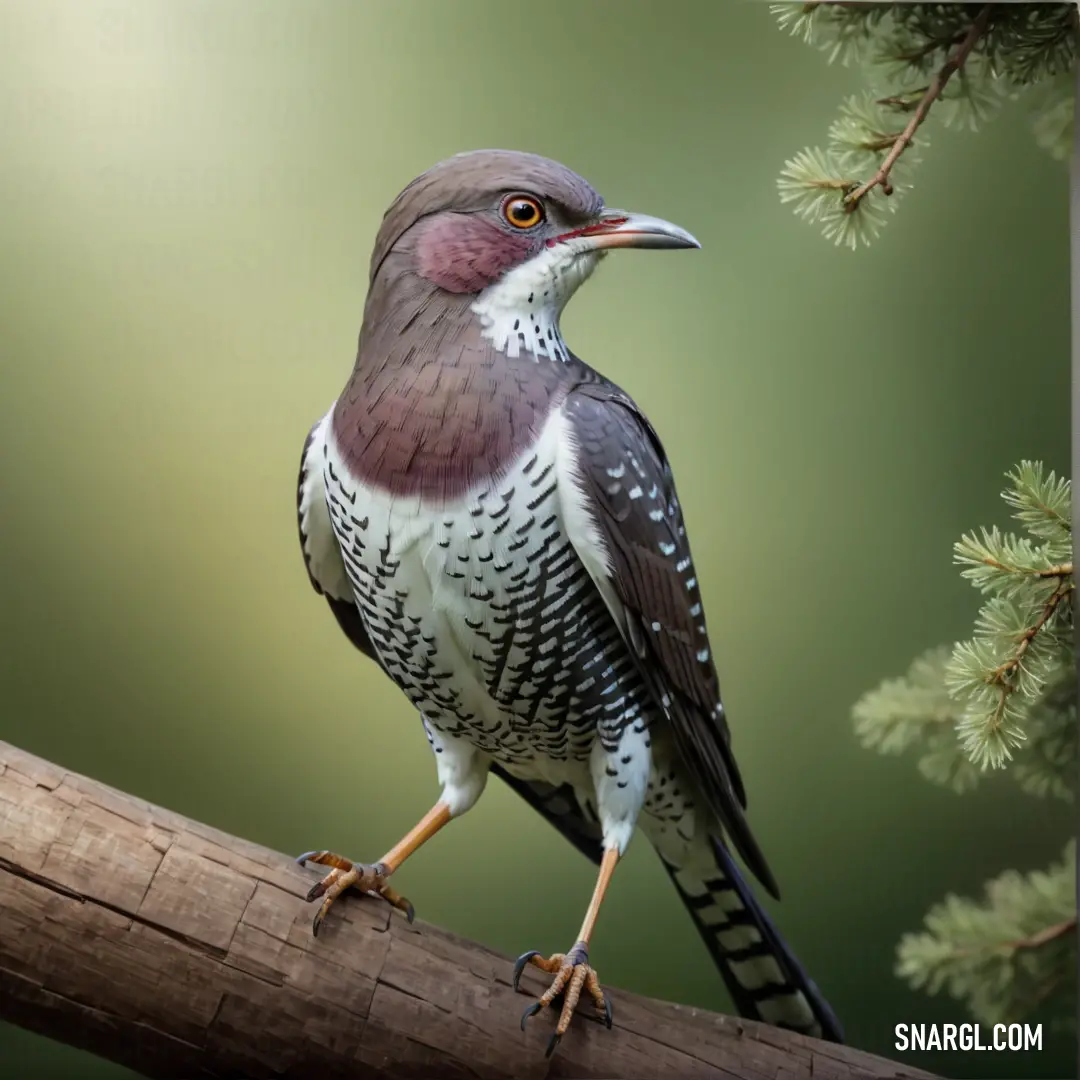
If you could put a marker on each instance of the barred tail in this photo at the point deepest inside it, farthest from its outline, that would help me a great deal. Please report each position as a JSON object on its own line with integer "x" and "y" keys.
{"x": 763, "y": 976}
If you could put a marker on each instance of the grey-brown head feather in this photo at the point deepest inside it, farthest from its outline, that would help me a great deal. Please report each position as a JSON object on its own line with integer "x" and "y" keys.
{"x": 474, "y": 181}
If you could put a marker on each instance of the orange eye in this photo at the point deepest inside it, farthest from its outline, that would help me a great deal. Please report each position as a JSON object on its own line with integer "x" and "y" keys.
{"x": 523, "y": 211}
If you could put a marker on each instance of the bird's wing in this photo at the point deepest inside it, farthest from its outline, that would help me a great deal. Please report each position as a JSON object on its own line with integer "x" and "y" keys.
{"x": 322, "y": 556}
{"x": 326, "y": 570}
{"x": 631, "y": 536}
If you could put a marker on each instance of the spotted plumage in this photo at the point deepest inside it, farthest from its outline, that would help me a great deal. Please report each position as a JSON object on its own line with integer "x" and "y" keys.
{"x": 496, "y": 524}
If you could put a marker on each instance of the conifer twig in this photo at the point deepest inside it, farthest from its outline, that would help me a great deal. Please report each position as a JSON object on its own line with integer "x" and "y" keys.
{"x": 1044, "y": 937}
{"x": 931, "y": 46}
{"x": 1063, "y": 571}
{"x": 1034, "y": 941}
{"x": 904, "y": 102}
{"x": 1004, "y": 671}
{"x": 937, "y": 84}
{"x": 1003, "y": 675}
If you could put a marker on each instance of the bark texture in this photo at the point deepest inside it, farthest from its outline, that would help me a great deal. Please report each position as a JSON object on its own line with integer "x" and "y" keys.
{"x": 182, "y": 952}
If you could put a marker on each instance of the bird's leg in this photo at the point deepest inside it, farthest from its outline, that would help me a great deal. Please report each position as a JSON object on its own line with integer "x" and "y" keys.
{"x": 371, "y": 877}
{"x": 573, "y": 972}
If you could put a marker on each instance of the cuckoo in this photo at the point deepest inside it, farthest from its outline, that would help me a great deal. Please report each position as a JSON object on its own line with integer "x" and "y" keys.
{"x": 495, "y": 524}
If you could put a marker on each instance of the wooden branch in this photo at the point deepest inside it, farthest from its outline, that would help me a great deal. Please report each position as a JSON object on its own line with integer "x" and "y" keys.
{"x": 182, "y": 952}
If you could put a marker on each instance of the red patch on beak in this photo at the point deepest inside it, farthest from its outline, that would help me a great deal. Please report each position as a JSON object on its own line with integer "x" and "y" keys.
{"x": 598, "y": 228}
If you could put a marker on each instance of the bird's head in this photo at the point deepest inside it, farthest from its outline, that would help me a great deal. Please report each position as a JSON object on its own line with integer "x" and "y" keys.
{"x": 514, "y": 235}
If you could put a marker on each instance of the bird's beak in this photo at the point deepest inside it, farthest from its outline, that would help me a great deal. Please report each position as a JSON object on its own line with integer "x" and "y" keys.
{"x": 619, "y": 229}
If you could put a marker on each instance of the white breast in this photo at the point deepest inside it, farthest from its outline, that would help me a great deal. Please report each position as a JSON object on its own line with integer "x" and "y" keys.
{"x": 467, "y": 603}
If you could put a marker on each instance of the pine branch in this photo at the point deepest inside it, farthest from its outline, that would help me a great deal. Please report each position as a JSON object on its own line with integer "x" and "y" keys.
{"x": 904, "y": 102}
{"x": 1023, "y": 632}
{"x": 989, "y": 737}
{"x": 921, "y": 58}
{"x": 1006, "y": 955}
{"x": 1048, "y": 764}
{"x": 1042, "y": 504}
{"x": 1012, "y": 683}
{"x": 937, "y": 84}
{"x": 1044, "y": 937}
{"x": 935, "y": 44}
{"x": 1004, "y": 676}
{"x": 1008, "y": 565}
{"x": 1036, "y": 940}
{"x": 918, "y": 711}
{"x": 1051, "y": 106}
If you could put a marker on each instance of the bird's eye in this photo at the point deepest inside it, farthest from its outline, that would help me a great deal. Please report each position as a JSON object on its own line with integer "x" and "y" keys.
{"x": 523, "y": 211}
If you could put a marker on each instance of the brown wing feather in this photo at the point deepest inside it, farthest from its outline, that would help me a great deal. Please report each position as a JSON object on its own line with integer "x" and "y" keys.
{"x": 631, "y": 493}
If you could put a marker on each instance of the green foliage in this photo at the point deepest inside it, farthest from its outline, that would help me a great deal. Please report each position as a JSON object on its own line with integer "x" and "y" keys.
{"x": 960, "y": 61}
{"x": 1048, "y": 763}
{"x": 1006, "y": 695}
{"x": 1007, "y": 955}
{"x": 993, "y": 690}
{"x": 918, "y": 710}
{"x": 1023, "y": 633}
{"x": 1051, "y": 105}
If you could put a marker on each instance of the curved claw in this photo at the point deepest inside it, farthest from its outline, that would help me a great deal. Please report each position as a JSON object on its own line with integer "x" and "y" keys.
{"x": 519, "y": 967}
{"x": 301, "y": 859}
{"x": 607, "y": 1011}
{"x": 555, "y": 1040}
{"x": 410, "y": 914}
{"x": 316, "y": 923}
{"x": 532, "y": 1010}
{"x": 316, "y": 891}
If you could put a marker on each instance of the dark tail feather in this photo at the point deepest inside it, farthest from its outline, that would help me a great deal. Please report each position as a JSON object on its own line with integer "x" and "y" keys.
{"x": 763, "y": 976}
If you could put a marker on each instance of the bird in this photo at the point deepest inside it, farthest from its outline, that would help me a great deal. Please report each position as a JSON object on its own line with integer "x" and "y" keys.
{"x": 495, "y": 524}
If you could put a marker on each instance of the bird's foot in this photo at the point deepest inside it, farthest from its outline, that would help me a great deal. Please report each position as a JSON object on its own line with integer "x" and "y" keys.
{"x": 345, "y": 874}
{"x": 573, "y": 973}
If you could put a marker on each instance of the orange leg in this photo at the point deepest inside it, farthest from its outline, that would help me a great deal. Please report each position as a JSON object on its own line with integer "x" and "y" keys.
{"x": 572, "y": 970}
{"x": 371, "y": 877}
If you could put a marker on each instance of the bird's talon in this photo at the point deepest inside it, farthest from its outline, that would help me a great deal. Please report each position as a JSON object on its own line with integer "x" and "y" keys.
{"x": 325, "y": 858}
{"x": 532, "y": 1010}
{"x": 519, "y": 966}
{"x": 571, "y": 973}
{"x": 394, "y": 899}
{"x": 345, "y": 874}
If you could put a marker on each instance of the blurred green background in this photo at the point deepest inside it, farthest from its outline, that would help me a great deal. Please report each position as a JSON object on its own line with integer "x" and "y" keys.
{"x": 190, "y": 193}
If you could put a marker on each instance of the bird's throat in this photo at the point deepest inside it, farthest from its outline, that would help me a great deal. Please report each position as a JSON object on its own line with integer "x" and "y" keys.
{"x": 519, "y": 314}
{"x": 531, "y": 330}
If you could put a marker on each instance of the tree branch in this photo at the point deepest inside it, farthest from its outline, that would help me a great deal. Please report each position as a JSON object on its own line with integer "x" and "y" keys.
{"x": 1062, "y": 570}
{"x": 1002, "y": 675}
{"x": 904, "y": 102}
{"x": 1036, "y": 941}
{"x": 1045, "y": 936}
{"x": 922, "y": 110}
{"x": 180, "y": 951}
